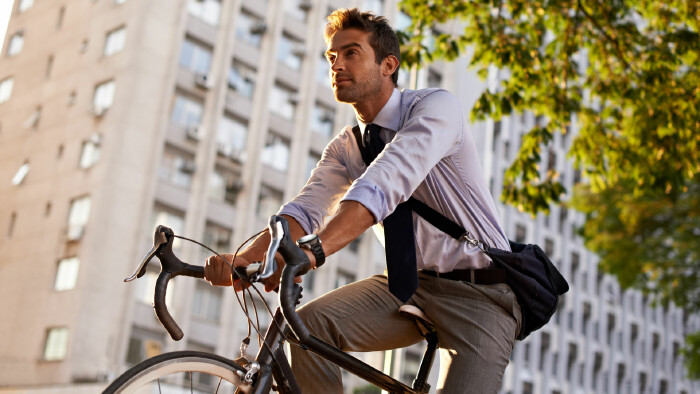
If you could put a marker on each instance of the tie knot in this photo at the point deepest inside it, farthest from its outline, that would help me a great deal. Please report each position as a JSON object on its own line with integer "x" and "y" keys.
{"x": 374, "y": 141}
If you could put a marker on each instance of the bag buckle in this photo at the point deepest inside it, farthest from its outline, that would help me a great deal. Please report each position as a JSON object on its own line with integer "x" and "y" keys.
{"x": 466, "y": 237}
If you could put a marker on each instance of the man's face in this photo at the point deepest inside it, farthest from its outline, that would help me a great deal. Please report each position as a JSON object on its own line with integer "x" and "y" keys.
{"x": 355, "y": 75}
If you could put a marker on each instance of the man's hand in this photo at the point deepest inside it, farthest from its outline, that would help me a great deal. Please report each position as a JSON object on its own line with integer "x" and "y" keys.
{"x": 218, "y": 272}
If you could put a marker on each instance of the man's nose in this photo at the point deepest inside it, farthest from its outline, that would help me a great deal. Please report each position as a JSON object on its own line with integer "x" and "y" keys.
{"x": 337, "y": 65}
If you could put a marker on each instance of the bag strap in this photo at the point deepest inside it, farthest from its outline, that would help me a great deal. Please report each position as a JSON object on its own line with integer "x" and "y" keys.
{"x": 433, "y": 217}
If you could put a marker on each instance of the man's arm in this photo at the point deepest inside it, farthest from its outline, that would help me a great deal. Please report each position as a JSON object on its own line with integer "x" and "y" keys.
{"x": 351, "y": 220}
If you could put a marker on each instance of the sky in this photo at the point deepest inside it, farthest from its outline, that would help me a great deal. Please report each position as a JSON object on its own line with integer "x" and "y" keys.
{"x": 5, "y": 10}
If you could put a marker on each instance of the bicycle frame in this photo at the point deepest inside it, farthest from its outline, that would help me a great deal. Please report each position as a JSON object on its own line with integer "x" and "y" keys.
{"x": 272, "y": 362}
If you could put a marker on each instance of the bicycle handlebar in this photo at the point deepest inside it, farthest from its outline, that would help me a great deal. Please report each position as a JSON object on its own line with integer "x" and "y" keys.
{"x": 296, "y": 264}
{"x": 171, "y": 267}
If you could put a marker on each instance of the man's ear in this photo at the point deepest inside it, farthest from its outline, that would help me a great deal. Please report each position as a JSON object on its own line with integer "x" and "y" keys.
{"x": 389, "y": 65}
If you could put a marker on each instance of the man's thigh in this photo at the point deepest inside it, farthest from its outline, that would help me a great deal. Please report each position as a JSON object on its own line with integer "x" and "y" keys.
{"x": 361, "y": 316}
{"x": 476, "y": 327}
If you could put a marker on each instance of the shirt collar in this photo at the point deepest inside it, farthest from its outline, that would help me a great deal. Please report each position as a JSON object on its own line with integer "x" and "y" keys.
{"x": 388, "y": 116}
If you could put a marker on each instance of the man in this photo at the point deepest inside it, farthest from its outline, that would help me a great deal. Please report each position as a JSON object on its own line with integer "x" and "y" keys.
{"x": 430, "y": 155}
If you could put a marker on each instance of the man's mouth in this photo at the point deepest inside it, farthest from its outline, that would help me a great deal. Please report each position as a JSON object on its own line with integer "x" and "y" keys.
{"x": 340, "y": 81}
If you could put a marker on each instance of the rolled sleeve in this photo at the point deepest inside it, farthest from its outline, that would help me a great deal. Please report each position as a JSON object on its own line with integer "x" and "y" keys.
{"x": 371, "y": 196}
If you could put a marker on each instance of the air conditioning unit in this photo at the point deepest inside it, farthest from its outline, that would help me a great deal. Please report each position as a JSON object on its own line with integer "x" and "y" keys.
{"x": 327, "y": 117}
{"x": 203, "y": 80}
{"x": 195, "y": 132}
{"x": 224, "y": 149}
{"x": 259, "y": 28}
{"x": 187, "y": 167}
{"x": 99, "y": 110}
{"x": 305, "y": 5}
{"x": 299, "y": 51}
{"x": 74, "y": 232}
{"x": 95, "y": 139}
{"x": 234, "y": 186}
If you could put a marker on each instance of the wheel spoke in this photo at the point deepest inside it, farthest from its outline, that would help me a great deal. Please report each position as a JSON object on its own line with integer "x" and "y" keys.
{"x": 159, "y": 389}
{"x": 218, "y": 385}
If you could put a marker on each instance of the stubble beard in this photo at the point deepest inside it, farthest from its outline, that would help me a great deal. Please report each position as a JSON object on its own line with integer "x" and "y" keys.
{"x": 359, "y": 90}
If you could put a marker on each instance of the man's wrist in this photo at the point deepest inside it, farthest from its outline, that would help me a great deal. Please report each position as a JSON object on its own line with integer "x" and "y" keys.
{"x": 312, "y": 245}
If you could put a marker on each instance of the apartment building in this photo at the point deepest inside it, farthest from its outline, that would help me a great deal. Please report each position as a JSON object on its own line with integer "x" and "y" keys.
{"x": 205, "y": 115}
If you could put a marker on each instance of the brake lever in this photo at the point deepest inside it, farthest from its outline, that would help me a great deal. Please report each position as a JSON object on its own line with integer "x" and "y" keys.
{"x": 276, "y": 234}
{"x": 159, "y": 240}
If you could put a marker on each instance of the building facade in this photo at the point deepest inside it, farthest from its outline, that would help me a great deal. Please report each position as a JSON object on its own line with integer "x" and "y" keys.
{"x": 205, "y": 115}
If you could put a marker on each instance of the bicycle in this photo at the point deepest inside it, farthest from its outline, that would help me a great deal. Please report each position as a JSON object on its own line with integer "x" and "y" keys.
{"x": 270, "y": 369}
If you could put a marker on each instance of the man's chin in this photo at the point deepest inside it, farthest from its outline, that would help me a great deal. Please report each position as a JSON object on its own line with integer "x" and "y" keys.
{"x": 343, "y": 96}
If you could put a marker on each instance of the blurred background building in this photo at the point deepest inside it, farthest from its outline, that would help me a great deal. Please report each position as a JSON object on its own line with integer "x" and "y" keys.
{"x": 206, "y": 115}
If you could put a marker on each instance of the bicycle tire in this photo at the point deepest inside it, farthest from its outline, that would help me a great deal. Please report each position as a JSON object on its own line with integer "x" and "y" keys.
{"x": 153, "y": 372}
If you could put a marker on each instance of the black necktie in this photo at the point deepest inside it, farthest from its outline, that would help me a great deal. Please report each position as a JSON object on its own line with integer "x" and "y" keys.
{"x": 399, "y": 240}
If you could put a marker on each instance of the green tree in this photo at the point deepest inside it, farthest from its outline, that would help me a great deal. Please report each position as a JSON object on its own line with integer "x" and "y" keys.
{"x": 624, "y": 74}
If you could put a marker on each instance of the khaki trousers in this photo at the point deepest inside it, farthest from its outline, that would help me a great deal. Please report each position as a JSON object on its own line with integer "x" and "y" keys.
{"x": 476, "y": 327}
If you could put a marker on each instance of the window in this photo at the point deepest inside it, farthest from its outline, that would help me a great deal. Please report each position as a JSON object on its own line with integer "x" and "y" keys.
{"x": 61, "y": 16}
{"x": 549, "y": 247}
{"x": 276, "y": 152}
{"x": 170, "y": 218}
{"x": 78, "y": 217}
{"x": 56, "y": 344}
{"x": 323, "y": 71}
{"x": 66, "y": 274}
{"x": 411, "y": 363}
{"x": 231, "y": 138}
{"x": 283, "y": 102}
{"x": 217, "y": 237}
{"x": 176, "y": 168}
{"x": 49, "y": 66}
{"x": 195, "y": 57}
{"x": 520, "y": 233}
{"x": 269, "y": 201}
{"x": 241, "y": 78}
{"x": 11, "y": 225}
{"x": 343, "y": 278}
{"x": 90, "y": 152}
{"x": 207, "y": 302}
{"x": 322, "y": 120}
{"x": 206, "y": 10}
{"x": 186, "y": 112}
{"x": 250, "y": 29}
{"x": 25, "y": 5}
{"x": 290, "y": 52}
{"x": 20, "y": 174}
{"x": 104, "y": 97}
{"x": 6, "y": 89}
{"x": 434, "y": 79}
{"x": 143, "y": 344}
{"x": 145, "y": 289}
{"x": 224, "y": 186}
{"x": 33, "y": 120}
{"x": 115, "y": 41}
{"x": 16, "y": 43}
{"x": 297, "y": 9}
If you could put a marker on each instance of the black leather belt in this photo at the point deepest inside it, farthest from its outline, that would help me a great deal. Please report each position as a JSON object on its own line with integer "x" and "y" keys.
{"x": 487, "y": 276}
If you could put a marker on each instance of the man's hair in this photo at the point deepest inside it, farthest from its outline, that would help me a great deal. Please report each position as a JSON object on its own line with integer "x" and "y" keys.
{"x": 382, "y": 38}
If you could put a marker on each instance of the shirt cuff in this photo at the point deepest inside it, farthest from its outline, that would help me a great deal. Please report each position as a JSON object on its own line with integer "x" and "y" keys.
{"x": 300, "y": 214}
{"x": 369, "y": 195}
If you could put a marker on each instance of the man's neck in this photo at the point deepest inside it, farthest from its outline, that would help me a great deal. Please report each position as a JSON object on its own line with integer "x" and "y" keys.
{"x": 367, "y": 110}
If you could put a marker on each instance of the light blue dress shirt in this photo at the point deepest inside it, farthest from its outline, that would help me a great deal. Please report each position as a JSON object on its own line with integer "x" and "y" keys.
{"x": 430, "y": 154}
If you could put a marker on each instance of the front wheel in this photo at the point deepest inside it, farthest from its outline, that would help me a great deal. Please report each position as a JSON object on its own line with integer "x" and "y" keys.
{"x": 181, "y": 372}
